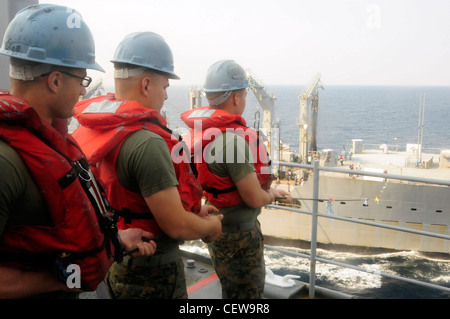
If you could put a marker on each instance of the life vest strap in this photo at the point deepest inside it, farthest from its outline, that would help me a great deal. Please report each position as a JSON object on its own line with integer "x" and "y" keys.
{"x": 129, "y": 216}
{"x": 216, "y": 191}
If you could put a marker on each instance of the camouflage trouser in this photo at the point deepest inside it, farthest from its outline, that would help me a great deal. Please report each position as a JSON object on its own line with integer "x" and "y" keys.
{"x": 238, "y": 259}
{"x": 126, "y": 281}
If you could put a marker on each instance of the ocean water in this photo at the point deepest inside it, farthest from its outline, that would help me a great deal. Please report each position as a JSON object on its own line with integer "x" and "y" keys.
{"x": 376, "y": 114}
{"x": 407, "y": 264}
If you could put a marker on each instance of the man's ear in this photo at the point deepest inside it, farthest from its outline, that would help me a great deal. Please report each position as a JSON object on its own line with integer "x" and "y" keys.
{"x": 236, "y": 97}
{"x": 54, "y": 81}
{"x": 145, "y": 86}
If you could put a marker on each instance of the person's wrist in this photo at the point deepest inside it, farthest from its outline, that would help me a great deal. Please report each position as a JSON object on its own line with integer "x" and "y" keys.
{"x": 272, "y": 196}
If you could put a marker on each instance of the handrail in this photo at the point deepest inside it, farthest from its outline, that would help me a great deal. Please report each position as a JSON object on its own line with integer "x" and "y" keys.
{"x": 312, "y": 270}
{"x": 367, "y": 173}
{"x": 315, "y": 214}
{"x": 356, "y": 221}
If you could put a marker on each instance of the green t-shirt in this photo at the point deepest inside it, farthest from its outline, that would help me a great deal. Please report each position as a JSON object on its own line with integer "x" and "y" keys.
{"x": 144, "y": 164}
{"x": 230, "y": 155}
{"x": 21, "y": 202}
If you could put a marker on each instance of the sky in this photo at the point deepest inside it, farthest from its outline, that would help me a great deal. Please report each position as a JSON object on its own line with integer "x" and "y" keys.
{"x": 350, "y": 42}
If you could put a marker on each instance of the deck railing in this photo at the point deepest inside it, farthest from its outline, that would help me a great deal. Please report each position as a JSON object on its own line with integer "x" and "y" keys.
{"x": 315, "y": 214}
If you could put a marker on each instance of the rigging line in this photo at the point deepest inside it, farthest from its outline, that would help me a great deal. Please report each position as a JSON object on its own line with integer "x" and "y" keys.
{"x": 334, "y": 200}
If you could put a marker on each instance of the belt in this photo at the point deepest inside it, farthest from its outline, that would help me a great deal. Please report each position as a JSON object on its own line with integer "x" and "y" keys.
{"x": 153, "y": 261}
{"x": 234, "y": 228}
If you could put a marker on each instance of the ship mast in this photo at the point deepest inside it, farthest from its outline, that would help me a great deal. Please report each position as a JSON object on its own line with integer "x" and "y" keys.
{"x": 309, "y": 102}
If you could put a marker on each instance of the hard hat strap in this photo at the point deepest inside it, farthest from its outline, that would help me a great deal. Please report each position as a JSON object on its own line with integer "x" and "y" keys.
{"x": 220, "y": 99}
{"x": 125, "y": 73}
{"x": 27, "y": 72}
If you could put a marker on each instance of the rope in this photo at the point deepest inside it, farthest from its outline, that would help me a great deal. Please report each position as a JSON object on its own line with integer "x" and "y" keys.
{"x": 334, "y": 200}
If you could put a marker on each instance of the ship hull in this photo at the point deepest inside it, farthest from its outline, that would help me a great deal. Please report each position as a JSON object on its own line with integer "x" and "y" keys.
{"x": 414, "y": 206}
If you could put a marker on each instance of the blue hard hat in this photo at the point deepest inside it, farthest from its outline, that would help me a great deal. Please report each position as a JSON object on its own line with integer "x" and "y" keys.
{"x": 146, "y": 49}
{"x": 225, "y": 75}
{"x": 50, "y": 34}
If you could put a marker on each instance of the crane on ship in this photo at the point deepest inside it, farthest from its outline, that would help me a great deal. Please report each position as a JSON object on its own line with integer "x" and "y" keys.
{"x": 266, "y": 100}
{"x": 309, "y": 103}
{"x": 270, "y": 127}
{"x": 195, "y": 97}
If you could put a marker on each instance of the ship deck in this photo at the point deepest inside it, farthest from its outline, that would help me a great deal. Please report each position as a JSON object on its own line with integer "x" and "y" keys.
{"x": 396, "y": 163}
{"x": 202, "y": 283}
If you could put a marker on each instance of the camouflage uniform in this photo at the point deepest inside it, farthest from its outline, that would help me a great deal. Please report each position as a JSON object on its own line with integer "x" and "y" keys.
{"x": 238, "y": 255}
{"x": 136, "y": 279}
{"x": 238, "y": 259}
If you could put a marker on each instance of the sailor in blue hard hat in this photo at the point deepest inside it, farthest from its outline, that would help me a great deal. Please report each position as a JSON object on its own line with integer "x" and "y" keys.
{"x": 52, "y": 35}
{"x": 145, "y": 174}
{"x": 224, "y": 76}
{"x": 50, "y": 208}
{"x": 144, "y": 50}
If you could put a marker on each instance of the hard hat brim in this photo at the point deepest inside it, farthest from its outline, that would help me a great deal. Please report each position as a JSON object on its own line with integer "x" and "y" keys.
{"x": 165, "y": 72}
{"x": 77, "y": 65}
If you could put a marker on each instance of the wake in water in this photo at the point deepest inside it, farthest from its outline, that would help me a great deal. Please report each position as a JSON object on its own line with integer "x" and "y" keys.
{"x": 407, "y": 264}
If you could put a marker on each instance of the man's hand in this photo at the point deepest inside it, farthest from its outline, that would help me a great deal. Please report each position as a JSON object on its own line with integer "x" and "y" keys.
{"x": 217, "y": 220}
{"x": 137, "y": 242}
{"x": 205, "y": 210}
{"x": 281, "y": 196}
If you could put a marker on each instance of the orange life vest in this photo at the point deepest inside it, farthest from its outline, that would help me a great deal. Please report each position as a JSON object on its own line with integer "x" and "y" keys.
{"x": 221, "y": 191}
{"x": 105, "y": 124}
{"x": 82, "y": 228}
